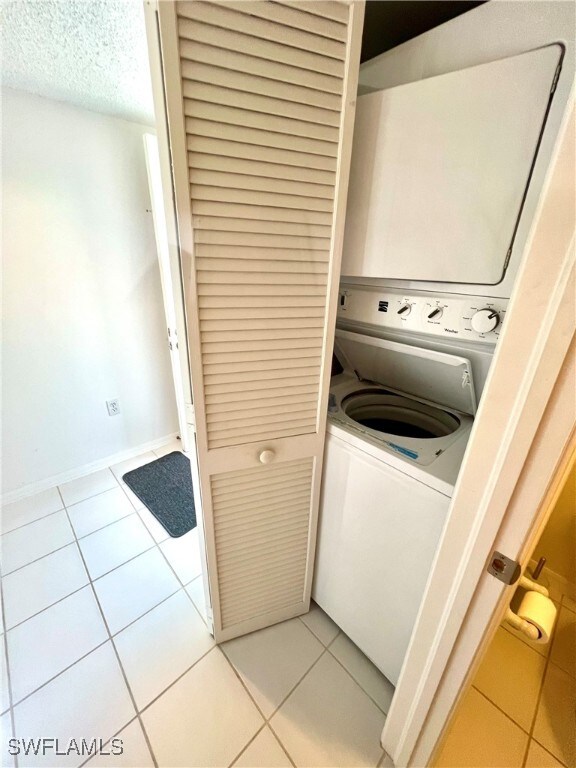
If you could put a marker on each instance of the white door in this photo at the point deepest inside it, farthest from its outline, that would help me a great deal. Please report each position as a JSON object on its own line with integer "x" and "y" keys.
{"x": 260, "y": 103}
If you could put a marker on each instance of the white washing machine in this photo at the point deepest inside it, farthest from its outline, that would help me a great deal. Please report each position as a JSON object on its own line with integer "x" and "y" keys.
{"x": 400, "y": 414}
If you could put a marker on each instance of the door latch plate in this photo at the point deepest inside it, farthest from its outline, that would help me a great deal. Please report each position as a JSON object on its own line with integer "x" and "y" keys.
{"x": 503, "y": 568}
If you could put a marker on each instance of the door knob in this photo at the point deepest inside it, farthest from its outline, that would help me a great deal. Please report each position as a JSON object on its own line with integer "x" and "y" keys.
{"x": 266, "y": 456}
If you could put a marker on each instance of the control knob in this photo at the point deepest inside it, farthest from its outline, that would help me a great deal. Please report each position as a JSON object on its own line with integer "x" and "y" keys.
{"x": 485, "y": 320}
{"x": 436, "y": 313}
{"x": 405, "y": 310}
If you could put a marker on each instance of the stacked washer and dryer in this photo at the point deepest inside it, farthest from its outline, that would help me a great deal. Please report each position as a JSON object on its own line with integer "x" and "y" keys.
{"x": 440, "y": 183}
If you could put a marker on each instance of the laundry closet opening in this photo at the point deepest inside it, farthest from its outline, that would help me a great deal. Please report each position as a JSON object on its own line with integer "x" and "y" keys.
{"x": 445, "y": 175}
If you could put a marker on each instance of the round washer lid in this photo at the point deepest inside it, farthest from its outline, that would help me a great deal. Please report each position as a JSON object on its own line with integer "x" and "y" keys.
{"x": 435, "y": 376}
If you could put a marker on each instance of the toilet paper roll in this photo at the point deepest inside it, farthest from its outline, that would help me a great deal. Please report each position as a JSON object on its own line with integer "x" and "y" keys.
{"x": 540, "y": 611}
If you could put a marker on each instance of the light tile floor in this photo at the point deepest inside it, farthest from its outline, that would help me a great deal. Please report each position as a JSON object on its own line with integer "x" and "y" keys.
{"x": 106, "y": 638}
{"x": 521, "y": 708}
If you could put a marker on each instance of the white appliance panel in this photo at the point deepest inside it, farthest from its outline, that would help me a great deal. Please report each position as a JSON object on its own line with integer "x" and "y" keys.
{"x": 440, "y": 168}
{"x": 434, "y": 376}
{"x": 378, "y": 533}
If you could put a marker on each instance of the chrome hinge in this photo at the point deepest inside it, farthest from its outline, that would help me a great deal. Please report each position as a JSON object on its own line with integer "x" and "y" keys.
{"x": 504, "y": 568}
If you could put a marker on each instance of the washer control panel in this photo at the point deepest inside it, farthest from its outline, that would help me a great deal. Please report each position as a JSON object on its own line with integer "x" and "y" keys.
{"x": 476, "y": 318}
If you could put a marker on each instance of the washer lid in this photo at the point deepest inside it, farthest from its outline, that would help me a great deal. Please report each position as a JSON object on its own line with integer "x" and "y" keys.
{"x": 435, "y": 376}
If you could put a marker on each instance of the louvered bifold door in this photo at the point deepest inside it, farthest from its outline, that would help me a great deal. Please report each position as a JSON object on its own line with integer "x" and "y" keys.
{"x": 260, "y": 99}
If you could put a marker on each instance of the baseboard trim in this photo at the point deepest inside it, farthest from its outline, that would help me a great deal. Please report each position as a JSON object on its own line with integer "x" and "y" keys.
{"x": 556, "y": 584}
{"x": 86, "y": 469}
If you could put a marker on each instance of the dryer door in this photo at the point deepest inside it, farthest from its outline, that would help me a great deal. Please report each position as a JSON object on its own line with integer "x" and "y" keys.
{"x": 440, "y": 378}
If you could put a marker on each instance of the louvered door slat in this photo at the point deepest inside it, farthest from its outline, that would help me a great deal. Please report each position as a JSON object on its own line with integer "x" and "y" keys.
{"x": 199, "y": 72}
{"x": 229, "y": 16}
{"x": 229, "y": 59}
{"x": 279, "y": 373}
{"x": 264, "y": 49}
{"x": 297, "y": 395}
{"x": 242, "y": 488}
{"x": 261, "y": 136}
{"x": 254, "y": 258}
{"x": 212, "y": 94}
{"x": 250, "y": 506}
{"x": 260, "y": 108}
{"x": 263, "y": 121}
{"x": 286, "y": 292}
{"x": 323, "y": 8}
{"x": 246, "y": 182}
{"x": 219, "y": 192}
{"x": 267, "y": 284}
{"x": 249, "y": 211}
{"x": 222, "y": 148}
{"x": 253, "y": 167}
{"x": 235, "y": 302}
{"x": 265, "y": 435}
{"x": 267, "y": 405}
{"x": 294, "y": 17}
{"x": 221, "y": 225}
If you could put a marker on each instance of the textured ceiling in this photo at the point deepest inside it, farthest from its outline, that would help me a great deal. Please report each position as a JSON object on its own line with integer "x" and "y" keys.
{"x": 91, "y": 53}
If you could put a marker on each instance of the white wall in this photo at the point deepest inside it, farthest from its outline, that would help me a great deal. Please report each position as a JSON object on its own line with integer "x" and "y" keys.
{"x": 82, "y": 316}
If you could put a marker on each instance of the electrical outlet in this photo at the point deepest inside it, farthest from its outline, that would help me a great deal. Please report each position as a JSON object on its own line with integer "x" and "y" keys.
{"x": 113, "y": 407}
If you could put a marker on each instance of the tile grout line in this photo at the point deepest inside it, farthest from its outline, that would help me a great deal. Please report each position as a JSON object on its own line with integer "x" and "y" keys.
{"x": 8, "y": 675}
{"x": 195, "y": 606}
{"x": 99, "y": 645}
{"x": 92, "y": 495}
{"x": 180, "y": 676}
{"x": 284, "y": 749}
{"x": 31, "y": 522}
{"x": 77, "y": 538}
{"x": 178, "y": 579}
{"x": 506, "y": 715}
{"x": 286, "y": 699}
{"x": 326, "y": 649}
{"x": 115, "y": 735}
{"x": 112, "y": 635}
{"x": 123, "y": 672}
{"x": 125, "y": 562}
{"x": 58, "y": 549}
{"x": 158, "y": 543}
{"x": 548, "y": 658}
{"x": 107, "y": 525}
{"x": 267, "y": 719}
{"x": 245, "y": 747}
{"x": 64, "y": 506}
{"x": 358, "y": 683}
{"x": 290, "y": 692}
{"x": 350, "y": 675}
{"x": 19, "y": 624}
{"x": 61, "y": 672}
